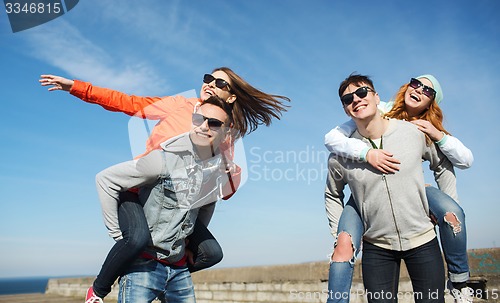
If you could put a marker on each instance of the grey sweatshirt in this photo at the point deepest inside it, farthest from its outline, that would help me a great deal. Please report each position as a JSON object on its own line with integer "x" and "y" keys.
{"x": 393, "y": 207}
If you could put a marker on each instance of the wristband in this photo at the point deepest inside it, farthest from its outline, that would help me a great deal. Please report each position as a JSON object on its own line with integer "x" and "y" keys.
{"x": 443, "y": 140}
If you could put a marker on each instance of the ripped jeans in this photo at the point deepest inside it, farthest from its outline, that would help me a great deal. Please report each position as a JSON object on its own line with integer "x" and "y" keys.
{"x": 340, "y": 274}
{"x": 453, "y": 236}
{"x": 453, "y": 242}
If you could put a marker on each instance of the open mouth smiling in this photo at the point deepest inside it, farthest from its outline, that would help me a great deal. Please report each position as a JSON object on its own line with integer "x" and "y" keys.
{"x": 415, "y": 97}
{"x": 210, "y": 92}
{"x": 359, "y": 107}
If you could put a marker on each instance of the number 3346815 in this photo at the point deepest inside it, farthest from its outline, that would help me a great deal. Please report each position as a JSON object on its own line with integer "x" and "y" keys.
{"x": 32, "y": 8}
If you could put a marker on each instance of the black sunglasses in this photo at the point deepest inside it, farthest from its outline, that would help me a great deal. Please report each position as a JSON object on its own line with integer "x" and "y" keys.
{"x": 220, "y": 83}
{"x": 427, "y": 90}
{"x": 360, "y": 92}
{"x": 213, "y": 124}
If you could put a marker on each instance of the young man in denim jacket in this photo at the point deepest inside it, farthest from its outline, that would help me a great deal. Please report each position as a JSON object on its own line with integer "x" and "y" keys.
{"x": 178, "y": 184}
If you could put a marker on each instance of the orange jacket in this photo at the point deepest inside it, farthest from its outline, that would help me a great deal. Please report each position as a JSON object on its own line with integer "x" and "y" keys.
{"x": 173, "y": 112}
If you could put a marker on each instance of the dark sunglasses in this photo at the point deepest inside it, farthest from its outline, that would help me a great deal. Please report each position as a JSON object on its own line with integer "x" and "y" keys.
{"x": 220, "y": 83}
{"x": 360, "y": 92}
{"x": 428, "y": 91}
{"x": 213, "y": 124}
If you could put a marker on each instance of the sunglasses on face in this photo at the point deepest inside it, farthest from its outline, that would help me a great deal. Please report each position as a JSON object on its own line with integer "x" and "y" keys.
{"x": 426, "y": 90}
{"x": 360, "y": 92}
{"x": 219, "y": 83}
{"x": 213, "y": 124}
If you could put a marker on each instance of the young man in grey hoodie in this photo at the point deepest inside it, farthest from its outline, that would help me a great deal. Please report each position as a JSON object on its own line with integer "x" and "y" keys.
{"x": 393, "y": 207}
{"x": 178, "y": 184}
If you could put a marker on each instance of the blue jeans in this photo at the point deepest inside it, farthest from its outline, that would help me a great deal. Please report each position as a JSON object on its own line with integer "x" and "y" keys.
{"x": 381, "y": 268}
{"x": 454, "y": 244}
{"x": 340, "y": 274}
{"x": 453, "y": 240}
{"x": 145, "y": 280}
{"x": 136, "y": 236}
{"x": 205, "y": 248}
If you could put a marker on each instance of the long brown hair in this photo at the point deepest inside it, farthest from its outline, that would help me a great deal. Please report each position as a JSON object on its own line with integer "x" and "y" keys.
{"x": 433, "y": 114}
{"x": 252, "y": 106}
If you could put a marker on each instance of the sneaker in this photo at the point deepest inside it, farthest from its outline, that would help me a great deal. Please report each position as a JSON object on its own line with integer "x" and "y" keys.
{"x": 464, "y": 295}
{"x": 92, "y": 297}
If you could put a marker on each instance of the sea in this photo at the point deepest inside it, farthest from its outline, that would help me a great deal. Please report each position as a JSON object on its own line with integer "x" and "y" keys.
{"x": 11, "y": 286}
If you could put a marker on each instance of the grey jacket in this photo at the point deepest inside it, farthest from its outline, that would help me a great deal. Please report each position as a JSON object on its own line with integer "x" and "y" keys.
{"x": 393, "y": 207}
{"x": 175, "y": 185}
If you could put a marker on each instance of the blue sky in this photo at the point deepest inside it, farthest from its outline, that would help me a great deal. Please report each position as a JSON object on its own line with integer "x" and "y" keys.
{"x": 53, "y": 144}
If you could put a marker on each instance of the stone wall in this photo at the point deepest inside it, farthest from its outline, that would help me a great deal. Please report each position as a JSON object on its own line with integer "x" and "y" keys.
{"x": 305, "y": 282}
{"x": 76, "y": 287}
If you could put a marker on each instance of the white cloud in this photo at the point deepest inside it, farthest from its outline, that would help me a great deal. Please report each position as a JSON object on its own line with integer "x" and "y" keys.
{"x": 174, "y": 33}
{"x": 62, "y": 45}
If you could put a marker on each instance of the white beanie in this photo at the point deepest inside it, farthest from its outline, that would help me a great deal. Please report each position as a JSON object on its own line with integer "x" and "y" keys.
{"x": 436, "y": 86}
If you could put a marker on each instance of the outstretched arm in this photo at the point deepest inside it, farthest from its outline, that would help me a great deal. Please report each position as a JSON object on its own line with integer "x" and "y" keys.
{"x": 112, "y": 100}
{"x": 56, "y": 82}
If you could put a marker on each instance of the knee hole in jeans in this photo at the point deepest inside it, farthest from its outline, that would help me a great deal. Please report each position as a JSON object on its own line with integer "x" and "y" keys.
{"x": 344, "y": 248}
{"x": 453, "y": 222}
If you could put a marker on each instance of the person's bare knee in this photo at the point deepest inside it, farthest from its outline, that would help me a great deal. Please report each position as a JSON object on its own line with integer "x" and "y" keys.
{"x": 344, "y": 249}
{"x": 453, "y": 221}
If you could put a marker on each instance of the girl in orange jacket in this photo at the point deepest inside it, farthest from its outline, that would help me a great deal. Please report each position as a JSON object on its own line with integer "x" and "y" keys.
{"x": 251, "y": 108}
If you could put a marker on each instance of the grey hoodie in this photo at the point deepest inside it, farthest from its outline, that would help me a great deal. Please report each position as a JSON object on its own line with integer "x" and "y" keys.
{"x": 393, "y": 207}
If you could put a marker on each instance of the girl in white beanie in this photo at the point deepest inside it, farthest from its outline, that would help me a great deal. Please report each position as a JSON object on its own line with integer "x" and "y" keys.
{"x": 418, "y": 102}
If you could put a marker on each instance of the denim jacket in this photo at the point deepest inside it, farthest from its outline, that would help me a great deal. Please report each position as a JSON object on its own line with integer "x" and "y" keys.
{"x": 174, "y": 184}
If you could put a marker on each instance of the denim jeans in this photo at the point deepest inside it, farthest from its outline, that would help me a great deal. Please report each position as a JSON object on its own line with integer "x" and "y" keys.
{"x": 340, "y": 273}
{"x": 145, "y": 280}
{"x": 205, "y": 248}
{"x": 136, "y": 236}
{"x": 381, "y": 269}
{"x": 453, "y": 242}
